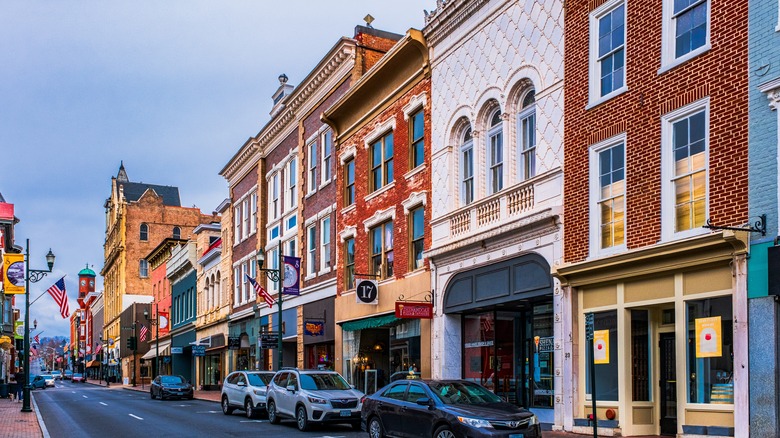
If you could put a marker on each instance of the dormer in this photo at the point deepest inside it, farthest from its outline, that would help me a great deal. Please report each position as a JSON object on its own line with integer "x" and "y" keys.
{"x": 284, "y": 90}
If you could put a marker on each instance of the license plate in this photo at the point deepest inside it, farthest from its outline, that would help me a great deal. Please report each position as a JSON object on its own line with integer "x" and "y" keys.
{"x": 348, "y": 413}
{"x": 516, "y": 435}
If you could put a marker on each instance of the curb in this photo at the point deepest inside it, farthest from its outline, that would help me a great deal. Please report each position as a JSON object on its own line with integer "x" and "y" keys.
{"x": 41, "y": 424}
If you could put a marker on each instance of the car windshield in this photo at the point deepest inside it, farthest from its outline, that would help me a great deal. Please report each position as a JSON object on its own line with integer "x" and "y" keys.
{"x": 323, "y": 381}
{"x": 77, "y": 375}
{"x": 172, "y": 380}
{"x": 46, "y": 376}
{"x": 463, "y": 393}
{"x": 256, "y": 379}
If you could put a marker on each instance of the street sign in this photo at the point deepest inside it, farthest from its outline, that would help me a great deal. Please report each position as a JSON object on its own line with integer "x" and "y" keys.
{"x": 177, "y": 350}
{"x": 268, "y": 340}
{"x": 589, "y": 327}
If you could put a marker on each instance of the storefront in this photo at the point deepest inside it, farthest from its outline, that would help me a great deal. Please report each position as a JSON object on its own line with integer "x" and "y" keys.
{"x": 318, "y": 334}
{"x": 507, "y": 340}
{"x": 243, "y": 353}
{"x": 665, "y": 339}
{"x": 210, "y": 365}
{"x": 181, "y": 354}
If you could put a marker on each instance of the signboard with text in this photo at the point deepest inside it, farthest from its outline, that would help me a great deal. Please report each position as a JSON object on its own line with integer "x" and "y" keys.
{"x": 198, "y": 350}
{"x": 413, "y": 310}
{"x": 367, "y": 292}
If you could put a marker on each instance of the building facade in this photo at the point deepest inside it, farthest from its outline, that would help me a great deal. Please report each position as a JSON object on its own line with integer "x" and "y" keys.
{"x": 656, "y": 164}
{"x": 764, "y": 209}
{"x": 182, "y": 276}
{"x": 496, "y": 207}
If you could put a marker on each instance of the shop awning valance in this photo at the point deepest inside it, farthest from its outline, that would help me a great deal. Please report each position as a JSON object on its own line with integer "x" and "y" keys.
{"x": 165, "y": 350}
{"x": 93, "y": 364}
{"x": 367, "y": 323}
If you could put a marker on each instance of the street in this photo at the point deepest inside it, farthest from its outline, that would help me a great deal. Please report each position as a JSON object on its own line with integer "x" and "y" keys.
{"x": 74, "y": 409}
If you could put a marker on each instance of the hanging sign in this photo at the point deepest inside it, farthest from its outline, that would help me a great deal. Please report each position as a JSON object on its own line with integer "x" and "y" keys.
{"x": 413, "y": 310}
{"x": 314, "y": 328}
{"x": 163, "y": 325}
{"x": 13, "y": 273}
{"x": 234, "y": 342}
{"x": 601, "y": 347}
{"x": 292, "y": 276}
{"x": 367, "y": 292}
{"x": 708, "y": 337}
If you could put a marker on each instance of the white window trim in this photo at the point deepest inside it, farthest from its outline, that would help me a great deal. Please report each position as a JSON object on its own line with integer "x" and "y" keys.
{"x": 416, "y": 103}
{"x": 290, "y": 201}
{"x": 594, "y": 186}
{"x": 324, "y": 181}
{"x": 347, "y": 153}
{"x": 461, "y": 172}
{"x": 594, "y": 80}
{"x": 311, "y": 183}
{"x": 273, "y": 214}
{"x": 311, "y": 268}
{"x": 668, "y": 61}
{"x": 378, "y": 192}
{"x": 523, "y": 114}
{"x": 414, "y": 200}
{"x": 667, "y": 164}
{"x": 379, "y": 216}
{"x": 772, "y": 91}
{"x": 325, "y": 269}
{"x": 253, "y": 212}
{"x": 492, "y": 132}
{"x": 349, "y": 231}
{"x": 378, "y": 132}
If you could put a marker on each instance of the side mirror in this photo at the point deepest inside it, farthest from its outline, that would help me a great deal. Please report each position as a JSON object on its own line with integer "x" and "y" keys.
{"x": 291, "y": 388}
{"x": 241, "y": 383}
{"x": 425, "y": 401}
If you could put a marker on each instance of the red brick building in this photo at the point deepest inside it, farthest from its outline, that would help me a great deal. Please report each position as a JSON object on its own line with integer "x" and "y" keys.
{"x": 655, "y": 147}
{"x": 382, "y": 129}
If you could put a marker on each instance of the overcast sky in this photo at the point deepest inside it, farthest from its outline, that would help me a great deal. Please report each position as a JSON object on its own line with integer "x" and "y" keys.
{"x": 172, "y": 88}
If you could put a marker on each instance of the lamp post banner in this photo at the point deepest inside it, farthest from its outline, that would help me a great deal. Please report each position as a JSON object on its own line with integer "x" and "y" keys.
{"x": 13, "y": 273}
{"x": 292, "y": 275}
{"x": 163, "y": 325}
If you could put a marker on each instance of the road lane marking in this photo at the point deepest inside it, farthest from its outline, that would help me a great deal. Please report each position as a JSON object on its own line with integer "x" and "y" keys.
{"x": 252, "y": 421}
{"x": 103, "y": 404}
{"x": 85, "y": 396}
{"x": 209, "y": 412}
{"x": 136, "y": 417}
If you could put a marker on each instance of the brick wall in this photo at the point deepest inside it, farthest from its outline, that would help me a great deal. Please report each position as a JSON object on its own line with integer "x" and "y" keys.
{"x": 721, "y": 74}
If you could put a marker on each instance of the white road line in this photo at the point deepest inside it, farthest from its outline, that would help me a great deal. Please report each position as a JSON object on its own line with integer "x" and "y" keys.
{"x": 209, "y": 412}
{"x": 85, "y": 396}
{"x": 252, "y": 421}
{"x": 136, "y": 417}
{"x": 103, "y": 404}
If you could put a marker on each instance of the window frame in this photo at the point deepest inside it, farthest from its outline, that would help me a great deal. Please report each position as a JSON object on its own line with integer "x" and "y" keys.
{"x": 253, "y": 213}
{"x": 273, "y": 197}
{"x": 668, "y": 215}
{"x": 495, "y": 132}
{"x": 313, "y": 162}
{"x": 237, "y": 238}
{"x": 143, "y": 268}
{"x": 414, "y": 143}
{"x": 349, "y": 182}
{"x": 594, "y": 173}
{"x": 385, "y": 169}
{"x": 419, "y": 209}
{"x": 291, "y": 184}
{"x": 326, "y": 160}
{"x": 594, "y": 96}
{"x": 467, "y": 145}
{"x": 325, "y": 245}
{"x": 143, "y": 232}
{"x": 349, "y": 265}
{"x": 311, "y": 250}
{"x": 669, "y": 59}
{"x": 528, "y": 112}
{"x": 382, "y": 272}
{"x": 176, "y": 232}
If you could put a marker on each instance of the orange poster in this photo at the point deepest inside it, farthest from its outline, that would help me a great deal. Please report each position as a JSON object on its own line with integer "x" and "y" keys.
{"x": 601, "y": 347}
{"x": 708, "y": 337}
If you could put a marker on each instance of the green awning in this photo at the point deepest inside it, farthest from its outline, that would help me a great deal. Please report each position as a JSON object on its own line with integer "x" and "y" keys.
{"x": 367, "y": 323}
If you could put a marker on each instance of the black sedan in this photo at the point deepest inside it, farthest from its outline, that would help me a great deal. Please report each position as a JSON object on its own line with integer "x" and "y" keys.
{"x": 444, "y": 409}
{"x": 165, "y": 386}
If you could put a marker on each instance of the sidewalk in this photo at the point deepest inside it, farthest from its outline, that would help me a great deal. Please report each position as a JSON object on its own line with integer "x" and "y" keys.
{"x": 18, "y": 424}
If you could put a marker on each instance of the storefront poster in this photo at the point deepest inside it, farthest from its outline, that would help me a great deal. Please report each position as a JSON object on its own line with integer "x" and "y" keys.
{"x": 601, "y": 347}
{"x": 708, "y": 337}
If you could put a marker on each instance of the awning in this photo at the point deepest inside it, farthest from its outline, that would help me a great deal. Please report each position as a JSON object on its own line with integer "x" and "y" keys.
{"x": 367, "y": 323}
{"x": 93, "y": 364}
{"x": 165, "y": 350}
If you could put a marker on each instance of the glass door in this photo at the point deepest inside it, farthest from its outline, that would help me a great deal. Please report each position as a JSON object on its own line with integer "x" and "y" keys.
{"x": 479, "y": 333}
{"x": 539, "y": 364}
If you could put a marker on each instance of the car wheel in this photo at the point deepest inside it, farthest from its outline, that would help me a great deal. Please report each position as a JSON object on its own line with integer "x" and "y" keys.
{"x": 249, "y": 408}
{"x": 301, "y": 420}
{"x": 375, "y": 429}
{"x": 443, "y": 432}
{"x": 273, "y": 418}
{"x": 151, "y": 394}
{"x": 226, "y": 409}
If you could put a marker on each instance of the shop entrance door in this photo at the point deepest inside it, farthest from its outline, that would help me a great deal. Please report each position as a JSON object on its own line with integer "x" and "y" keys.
{"x": 668, "y": 383}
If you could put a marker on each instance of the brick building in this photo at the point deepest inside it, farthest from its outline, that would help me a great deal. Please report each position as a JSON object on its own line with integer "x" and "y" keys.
{"x": 655, "y": 147}
{"x": 138, "y": 217}
{"x": 381, "y": 126}
{"x": 497, "y": 153}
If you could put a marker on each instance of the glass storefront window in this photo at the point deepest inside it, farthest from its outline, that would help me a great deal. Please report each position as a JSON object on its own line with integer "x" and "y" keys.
{"x": 606, "y": 373}
{"x": 539, "y": 361}
{"x": 211, "y": 372}
{"x": 710, "y": 351}
{"x": 405, "y": 351}
{"x": 479, "y": 349}
{"x": 319, "y": 356}
{"x": 641, "y": 389}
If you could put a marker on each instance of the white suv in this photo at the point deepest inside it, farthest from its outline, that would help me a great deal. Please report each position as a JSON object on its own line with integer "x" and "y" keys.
{"x": 245, "y": 390}
{"x": 313, "y": 396}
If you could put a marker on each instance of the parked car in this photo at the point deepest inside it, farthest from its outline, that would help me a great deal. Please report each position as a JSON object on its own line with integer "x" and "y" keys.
{"x": 167, "y": 386}
{"x": 77, "y": 377}
{"x": 313, "y": 396}
{"x": 67, "y": 374}
{"x": 49, "y": 379}
{"x": 405, "y": 375}
{"x": 57, "y": 375}
{"x": 443, "y": 409}
{"x": 38, "y": 382}
{"x": 245, "y": 390}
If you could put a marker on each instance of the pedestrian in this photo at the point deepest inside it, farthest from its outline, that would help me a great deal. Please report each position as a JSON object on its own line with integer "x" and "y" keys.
{"x": 12, "y": 382}
{"x": 21, "y": 380}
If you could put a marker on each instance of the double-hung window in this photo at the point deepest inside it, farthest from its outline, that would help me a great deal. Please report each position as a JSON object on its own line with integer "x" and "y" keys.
{"x": 143, "y": 268}
{"x": 416, "y": 140}
{"x": 608, "y": 194}
{"x": 382, "y": 250}
{"x": 467, "y": 168}
{"x": 245, "y": 223}
{"x": 349, "y": 263}
{"x": 417, "y": 236}
{"x": 495, "y": 141}
{"x": 274, "y": 196}
{"x": 237, "y": 223}
{"x": 144, "y": 233}
{"x": 311, "y": 250}
{"x": 686, "y": 31}
{"x": 291, "y": 193}
{"x": 325, "y": 246}
{"x": 526, "y": 122}
{"x": 313, "y": 166}
{"x": 382, "y": 161}
{"x": 608, "y": 54}
{"x": 253, "y": 212}
{"x": 349, "y": 182}
{"x": 685, "y": 141}
{"x": 327, "y": 155}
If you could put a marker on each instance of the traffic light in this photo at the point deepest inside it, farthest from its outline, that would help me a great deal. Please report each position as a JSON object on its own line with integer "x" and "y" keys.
{"x": 131, "y": 344}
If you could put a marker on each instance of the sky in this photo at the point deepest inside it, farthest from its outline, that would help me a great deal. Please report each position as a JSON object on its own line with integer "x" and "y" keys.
{"x": 172, "y": 89}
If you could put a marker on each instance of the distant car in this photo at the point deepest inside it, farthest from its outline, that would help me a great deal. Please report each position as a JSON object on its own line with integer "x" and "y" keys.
{"x": 168, "y": 386}
{"x": 245, "y": 390}
{"x": 49, "y": 379}
{"x": 78, "y": 377}
{"x": 57, "y": 375}
{"x": 313, "y": 397}
{"x": 444, "y": 409}
{"x": 405, "y": 375}
{"x": 67, "y": 374}
{"x": 38, "y": 382}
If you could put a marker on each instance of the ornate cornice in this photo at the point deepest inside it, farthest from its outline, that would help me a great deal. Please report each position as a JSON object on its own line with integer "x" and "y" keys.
{"x": 772, "y": 90}
{"x": 447, "y": 17}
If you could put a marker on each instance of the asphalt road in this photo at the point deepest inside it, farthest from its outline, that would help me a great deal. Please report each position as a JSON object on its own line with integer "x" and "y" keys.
{"x": 79, "y": 410}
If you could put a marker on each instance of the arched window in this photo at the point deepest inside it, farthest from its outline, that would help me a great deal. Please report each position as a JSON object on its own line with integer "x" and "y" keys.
{"x": 207, "y": 288}
{"x": 526, "y": 136}
{"x": 495, "y": 150}
{"x": 176, "y": 233}
{"x": 143, "y": 268}
{"x": 218, "y": 298}
{"x": 144, "y": 232}
{"x": 466, "y": 167}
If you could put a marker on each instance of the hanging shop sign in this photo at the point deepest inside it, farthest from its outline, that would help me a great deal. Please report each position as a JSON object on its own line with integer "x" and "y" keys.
{"x": 292, "y": 276}
{"x": 234, "y": 342}
{"x": 601, "y": 347}
{"x": 314, "y": 328}
{"x": 708, "y": 337}
{"x": 177, "y": 350}
{"x": 413, "y": 310}
{"x": 198, "y": 350}
{"x": 367, "y": 292}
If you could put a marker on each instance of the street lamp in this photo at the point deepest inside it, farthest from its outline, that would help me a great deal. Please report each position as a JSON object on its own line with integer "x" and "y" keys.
{"x": 30, "y": 276}
{"x": 155, "y": 323}
{"x": 275, "y": 275}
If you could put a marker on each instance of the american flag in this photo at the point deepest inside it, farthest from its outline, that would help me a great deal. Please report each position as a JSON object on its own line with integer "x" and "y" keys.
{"x": 37, "y": 340}
{"x": 57, "y": 291}
{"x": 144, "y": 333}
{"x": 260, "y": 291}
{"x": 98, "y": 348}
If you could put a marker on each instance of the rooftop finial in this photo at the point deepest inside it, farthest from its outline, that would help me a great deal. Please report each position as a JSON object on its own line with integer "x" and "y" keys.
{"x": 122, "y": 175}
{"x": 368, "y": 19}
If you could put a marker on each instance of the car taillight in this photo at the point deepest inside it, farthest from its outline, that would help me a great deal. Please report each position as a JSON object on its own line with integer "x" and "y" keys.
{"x": 362, "y": 399}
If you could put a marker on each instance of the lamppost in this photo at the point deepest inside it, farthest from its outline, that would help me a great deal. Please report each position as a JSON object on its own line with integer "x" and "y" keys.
{"x": 275, "y": 275}
{"x": 30, "y": 276}
{"x": 155, "y": 322}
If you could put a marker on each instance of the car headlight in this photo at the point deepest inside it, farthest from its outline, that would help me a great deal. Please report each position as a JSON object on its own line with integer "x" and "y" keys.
{"x": 259, "y": 391}
{"x": 533, "y": 421}
{"x": 474, "y": 422}
{"x": 317, "y": 400}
